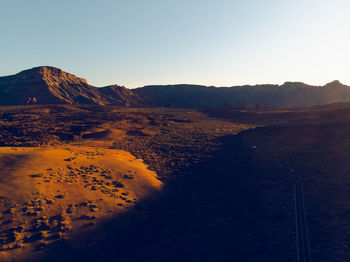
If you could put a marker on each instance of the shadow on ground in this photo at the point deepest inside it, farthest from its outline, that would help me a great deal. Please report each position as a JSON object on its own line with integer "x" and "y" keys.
{"x": 226, "y": 208}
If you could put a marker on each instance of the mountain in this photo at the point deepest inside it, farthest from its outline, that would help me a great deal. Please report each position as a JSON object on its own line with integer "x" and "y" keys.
{"x": 290, "y": 94}
{"x": 50, "y": 85}
{"x": 46, "y": 85}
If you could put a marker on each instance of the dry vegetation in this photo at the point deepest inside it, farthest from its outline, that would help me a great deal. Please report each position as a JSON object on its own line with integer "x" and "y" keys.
{"x": 166, "y": 139}
{"x": 63, "y": 170}
{"x": 227, "y": 193}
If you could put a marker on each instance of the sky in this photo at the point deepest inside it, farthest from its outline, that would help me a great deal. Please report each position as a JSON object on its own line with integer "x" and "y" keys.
{"x": 209, "y": 42}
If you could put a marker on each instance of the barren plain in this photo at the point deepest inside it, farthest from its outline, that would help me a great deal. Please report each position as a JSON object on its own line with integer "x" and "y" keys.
{"x": 105, "y": 183}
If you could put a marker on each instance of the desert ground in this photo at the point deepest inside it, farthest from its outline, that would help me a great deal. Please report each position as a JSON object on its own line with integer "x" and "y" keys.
{"x": 105, "y": 183}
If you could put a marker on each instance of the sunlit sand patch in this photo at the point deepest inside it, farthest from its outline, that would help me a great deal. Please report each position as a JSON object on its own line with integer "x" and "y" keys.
{"x": 48, "y": 194}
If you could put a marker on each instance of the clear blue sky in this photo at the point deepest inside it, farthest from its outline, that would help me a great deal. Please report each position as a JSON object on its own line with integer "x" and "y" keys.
{"x": 211, "y": 42}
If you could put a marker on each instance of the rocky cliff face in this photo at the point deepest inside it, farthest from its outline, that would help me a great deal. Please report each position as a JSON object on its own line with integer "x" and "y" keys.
{"x": 46, "y": 85}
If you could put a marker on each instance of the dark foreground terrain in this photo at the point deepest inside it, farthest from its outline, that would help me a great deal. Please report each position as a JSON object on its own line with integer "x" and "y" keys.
{"x": 227, "y": 196}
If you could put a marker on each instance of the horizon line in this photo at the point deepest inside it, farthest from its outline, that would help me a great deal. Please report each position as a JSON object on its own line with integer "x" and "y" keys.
{"x": 179, "y": 84}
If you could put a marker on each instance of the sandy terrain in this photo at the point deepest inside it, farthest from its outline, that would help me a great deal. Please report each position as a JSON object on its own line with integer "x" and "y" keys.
{"x": 47, "y": 194}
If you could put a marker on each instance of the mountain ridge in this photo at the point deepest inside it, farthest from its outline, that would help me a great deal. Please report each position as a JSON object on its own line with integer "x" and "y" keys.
{"x": 51, "y": 85}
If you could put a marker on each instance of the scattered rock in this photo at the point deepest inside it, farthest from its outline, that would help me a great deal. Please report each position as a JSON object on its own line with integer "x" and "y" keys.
{"x": 117, "y": 184}
{"x": 59, "y": 196}
{"x": 36, "y": 175}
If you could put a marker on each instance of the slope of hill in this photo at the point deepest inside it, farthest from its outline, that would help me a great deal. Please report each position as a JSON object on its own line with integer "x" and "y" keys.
{"x": 119, "y": 95}
{"x": 50, "y": 85}
{"x": 48, "y": 194}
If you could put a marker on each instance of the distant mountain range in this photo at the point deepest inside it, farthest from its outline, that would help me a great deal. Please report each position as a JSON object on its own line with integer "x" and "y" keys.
{"x": 50, "y": 85}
